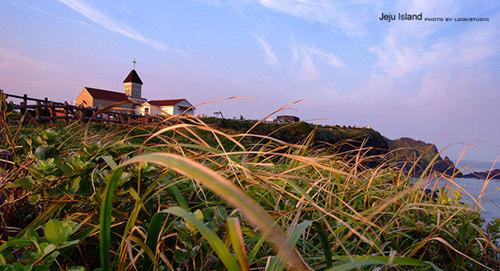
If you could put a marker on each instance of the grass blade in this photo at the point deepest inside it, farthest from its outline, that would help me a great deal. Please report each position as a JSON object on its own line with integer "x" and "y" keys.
{"x": 234, "y": 196}
{"x": 178, "y": 196}
{"x": 255, "y": 250}
{"x": 154, "y": 231}
{"x": 236, "y": 237}
{"x": 324, "y": 243}
{"x": 215, "y": 242}
{"x": 293, "y": 237}
{"x": 105, "y": 220}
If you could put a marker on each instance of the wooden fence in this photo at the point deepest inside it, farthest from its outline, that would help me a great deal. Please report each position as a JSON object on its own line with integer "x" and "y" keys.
{"x": 42, "y": 110}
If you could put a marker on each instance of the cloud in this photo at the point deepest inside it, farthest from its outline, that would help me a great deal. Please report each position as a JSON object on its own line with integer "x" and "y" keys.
{"x": 324, "y": 56}
{"x": 308, "y": 70}
{"x": 41, "y": 10}
{"x": 306, "y": 56}
{"x": 216, "y": 3}
{"x": 409, "y": 48}
{"x": 20, "y": 73}
{"x": 11, "y": 61}
{"x": 350, "y": 17}
{"x": 99, "y": 18}
{"x": 271, "y": 58}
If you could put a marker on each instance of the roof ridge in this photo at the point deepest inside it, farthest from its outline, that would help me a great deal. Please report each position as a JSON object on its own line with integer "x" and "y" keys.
{"x": 101, "y": 89}
{"x": 108, "y": 95}
{"x": 166, "y": 102}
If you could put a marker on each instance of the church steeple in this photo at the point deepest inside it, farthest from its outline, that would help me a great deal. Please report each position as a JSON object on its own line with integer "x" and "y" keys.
{"x": 133, "y": 84}
{"x": 133, "y": 77}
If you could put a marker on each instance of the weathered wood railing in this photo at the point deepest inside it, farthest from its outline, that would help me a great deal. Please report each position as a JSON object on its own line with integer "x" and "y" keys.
{"x": 45, "y": 110}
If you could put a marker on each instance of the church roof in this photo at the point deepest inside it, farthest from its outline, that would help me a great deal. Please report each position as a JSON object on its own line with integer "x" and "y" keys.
{"x": 133, "y": 77}
{"x": 107, "y": 95}
{"x": 165, "y": 102}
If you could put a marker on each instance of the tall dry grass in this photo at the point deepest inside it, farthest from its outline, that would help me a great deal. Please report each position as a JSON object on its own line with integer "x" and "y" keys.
{"x": 183, "y": 194}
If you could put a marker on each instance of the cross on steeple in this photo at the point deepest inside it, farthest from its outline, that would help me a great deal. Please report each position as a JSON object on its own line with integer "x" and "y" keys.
{"x": 133, "y": 64}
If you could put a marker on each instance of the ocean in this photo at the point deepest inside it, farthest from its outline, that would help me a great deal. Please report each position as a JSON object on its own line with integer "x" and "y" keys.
{"x": 490, "y": 201}
{"x": 468, "y": 166}
{"x": 491, "y": 198}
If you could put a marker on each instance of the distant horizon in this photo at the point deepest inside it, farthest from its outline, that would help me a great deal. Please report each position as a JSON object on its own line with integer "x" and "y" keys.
{"x": 429, "y": 80}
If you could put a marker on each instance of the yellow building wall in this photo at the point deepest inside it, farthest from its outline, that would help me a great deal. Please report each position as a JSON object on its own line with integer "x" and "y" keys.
{"x": 167, "y": 110}
{"x": 84, "y": 99}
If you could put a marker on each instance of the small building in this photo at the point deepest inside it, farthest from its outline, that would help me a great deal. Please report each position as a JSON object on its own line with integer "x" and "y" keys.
{"x": 287, "y": 119}
{"x": 131, "y": 100}
{"x": 166, "y": 107}
{"x": 100, "y": 98}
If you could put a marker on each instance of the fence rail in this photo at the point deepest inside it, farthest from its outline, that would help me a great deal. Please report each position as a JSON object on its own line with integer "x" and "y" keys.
{"x": 41, "y": 110}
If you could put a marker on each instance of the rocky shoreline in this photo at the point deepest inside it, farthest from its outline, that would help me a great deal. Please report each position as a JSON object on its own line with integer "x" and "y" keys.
{"x": 415, "y": 155}
{"x": 483, "y": 175}
{"x": 409, "y": 151}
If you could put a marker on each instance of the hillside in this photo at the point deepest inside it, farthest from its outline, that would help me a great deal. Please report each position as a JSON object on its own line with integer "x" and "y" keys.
{"x": 404, "y": 152}
{"x": 298, "y": 132}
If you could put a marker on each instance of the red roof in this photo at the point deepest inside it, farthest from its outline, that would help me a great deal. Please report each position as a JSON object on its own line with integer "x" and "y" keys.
{"x": 107, "y": 95}
{"x": 165, "y": 102}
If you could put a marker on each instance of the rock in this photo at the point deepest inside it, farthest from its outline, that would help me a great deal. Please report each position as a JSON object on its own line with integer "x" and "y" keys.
{"x": 447, "y": 167}
{"x": 494, "y": 174}
{"x": 407, "y": 151}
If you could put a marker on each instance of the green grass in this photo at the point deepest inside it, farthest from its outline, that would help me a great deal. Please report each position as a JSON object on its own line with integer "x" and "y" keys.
{"x": 183, "y": 194}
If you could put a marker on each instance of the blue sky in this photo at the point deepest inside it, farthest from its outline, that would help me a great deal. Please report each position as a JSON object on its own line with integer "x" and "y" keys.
{"x": 434, "y": 81}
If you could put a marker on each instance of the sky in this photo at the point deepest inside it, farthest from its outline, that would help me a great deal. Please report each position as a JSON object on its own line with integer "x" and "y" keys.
{"x": 434, "y": 81}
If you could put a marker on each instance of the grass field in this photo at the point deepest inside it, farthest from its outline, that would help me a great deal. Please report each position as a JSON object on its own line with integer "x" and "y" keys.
{"x": 183, "y": 195}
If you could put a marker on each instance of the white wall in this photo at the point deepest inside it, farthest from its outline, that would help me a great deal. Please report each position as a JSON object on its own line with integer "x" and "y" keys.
{"x": 141, "y": 110}
{"x": 164, "y": 110}
{"x": 154, "y": 110}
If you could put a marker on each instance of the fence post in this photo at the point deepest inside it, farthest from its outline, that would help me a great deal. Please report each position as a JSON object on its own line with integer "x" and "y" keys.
{"x": 52, "y": 111}
{"x": 81, "y": 113}
{"x": 77, "y": 112}
{"x": 65, "y": 110}
{"x": 24, "y": 103}
{"x": 38, "y": 111}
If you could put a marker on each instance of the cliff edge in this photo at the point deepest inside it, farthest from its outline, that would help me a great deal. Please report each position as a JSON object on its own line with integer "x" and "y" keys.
{"x": 417, "y": 154}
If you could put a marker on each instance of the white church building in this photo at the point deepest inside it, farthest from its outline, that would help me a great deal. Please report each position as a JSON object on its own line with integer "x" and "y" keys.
{"x": 131, "y": 100}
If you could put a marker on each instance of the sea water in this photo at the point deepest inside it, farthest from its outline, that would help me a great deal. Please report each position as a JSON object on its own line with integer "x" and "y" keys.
{"x": 489, "y": 201}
